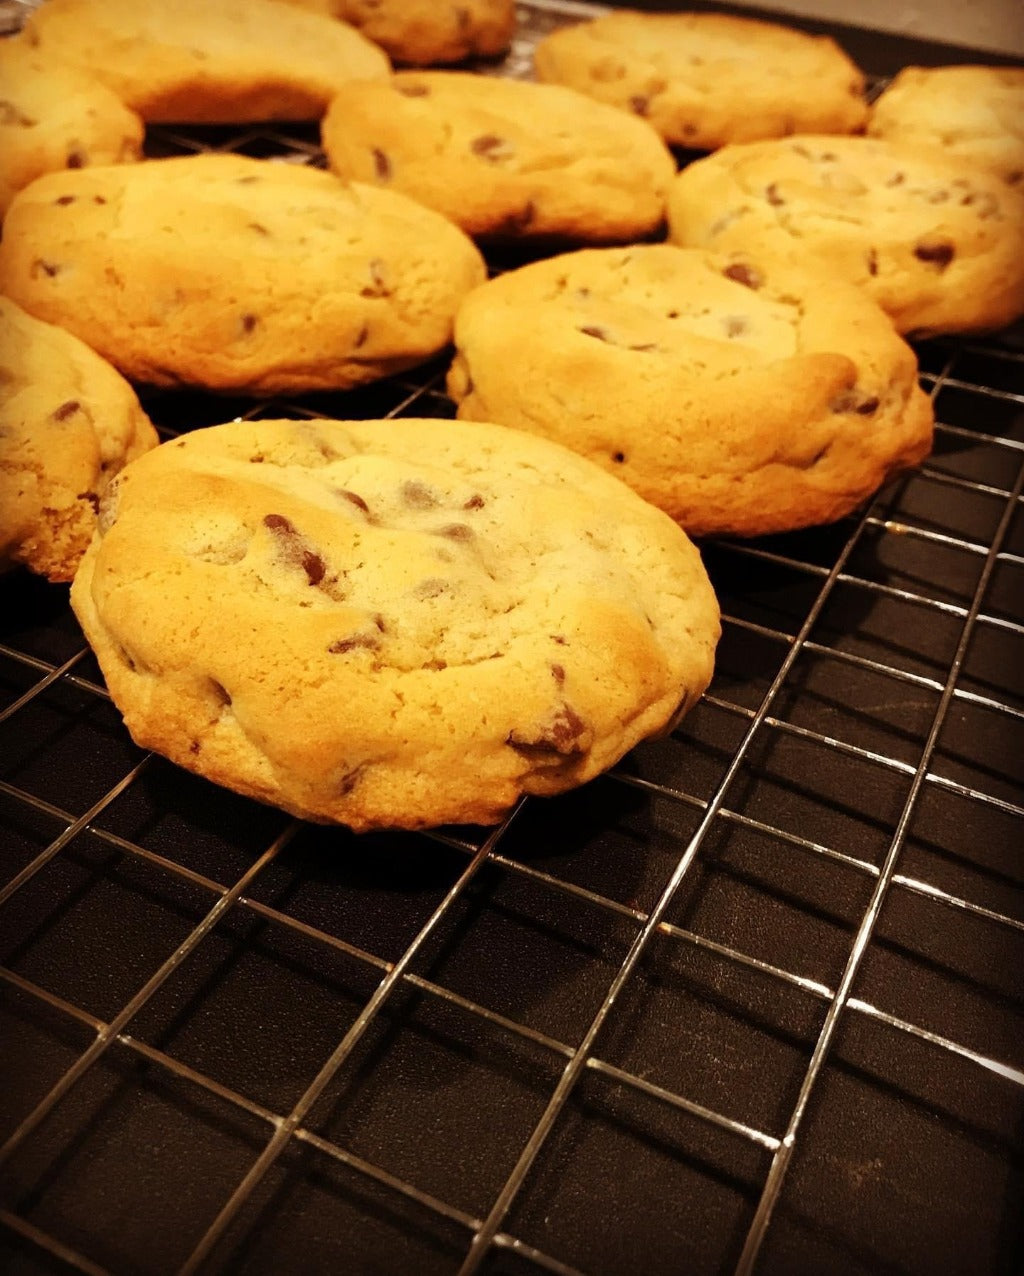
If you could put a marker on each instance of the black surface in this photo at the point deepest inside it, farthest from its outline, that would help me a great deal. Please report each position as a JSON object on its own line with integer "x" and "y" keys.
{"x": 909, "y": 1158}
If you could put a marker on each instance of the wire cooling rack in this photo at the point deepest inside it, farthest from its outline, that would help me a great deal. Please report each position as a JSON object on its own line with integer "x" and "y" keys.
{"x": 750, "y": 1001}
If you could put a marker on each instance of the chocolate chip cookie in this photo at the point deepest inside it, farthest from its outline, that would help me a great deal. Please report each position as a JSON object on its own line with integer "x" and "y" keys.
{"x": 975, "y": 113}
{"x": 739, "y": 398}
{"x": 68, "y": 423}
{"x": 428, "y": 32}
{"x": 52, "y": 117}
{"x": 390, "y": 623}
{"x": 935, "y": 241}
{"x": 237, "y": 274}
{"x": 191, "y": 61}
{"x": 706, "y": 79}
{"x": 504, "y": 158}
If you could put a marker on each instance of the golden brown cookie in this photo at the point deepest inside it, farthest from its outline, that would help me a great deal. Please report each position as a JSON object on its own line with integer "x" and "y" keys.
{"x": 504, "y": 158}
{"x": 706, "y": 79}
{"x": 427, "y": 32}
{"x": 391, "y": 623}
{"x": 237, "y": 274}
{"x": 53, "y": 117}
{"x": 738, "y": 398}
{"x": 974, "y": 113}
{"x": 936, "y": 242}
{"x": 192, "y": 61}
{"x": 68, "y": 423}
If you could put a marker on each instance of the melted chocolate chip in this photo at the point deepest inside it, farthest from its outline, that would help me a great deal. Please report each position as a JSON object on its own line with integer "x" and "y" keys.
{"x": 357, "y": 642}
{"x": 488, "y": 145}
{"x": 361, "y": 336}
{"x": 456, "y": 532}
{"x": 563, "y": 735}
{"x": 602, "y": 334}
{"x": 475, "y": 502}
{"x": 639, "y": 104}
{"x": 378, "y": 287}
{"x": 259, "y": 228}
{"x": 381, "y": 164}
{"x": 40, "y": 267}
{"x": 9, "y": 114}
{"x": 66, "y": 409}
{"x": 771, "y": 194}
{"x": 872, "y": 262}
{"x": 418, "y": 495}
{"x": 734, "y": 325}
{"x": 64, "y": 200}
{"x": 867, "y": 406}
{"x": 249, "y": 322}
{"x": 937, "y": 254}
{"x": 744, "y": 275}
{"x": 355, "y": 499}
{"x": 618, "y": 457}
{"x": 76, "y": 159}
{"x": 295, "y": 548}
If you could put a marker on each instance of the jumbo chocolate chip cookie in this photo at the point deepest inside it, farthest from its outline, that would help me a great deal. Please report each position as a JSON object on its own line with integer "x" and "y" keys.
{"x": 935, "y": 241}
{"x": 428, "y": 32}
{"x": 504, "y": 158}
{"x": 391, "y": 623}
{"x": 739, "y": 398}
{"x": 68, "y": 423}
{"x": 198, "y": 62}
{"x": 707, "y": 79}
{"x": 237, "y": 274}
{"x": 975, "y": 113}
{"x": 52, "y": 117}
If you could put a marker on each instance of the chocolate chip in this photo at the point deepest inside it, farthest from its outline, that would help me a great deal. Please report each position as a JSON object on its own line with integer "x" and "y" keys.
{"x": 558, "y": 673}
{"x": 475, "y": 502}
{"x": 64, "y": 200}
{"x": 867, "y": 406}
{"x": 872, "y": 262}
{"x": 381, "y": 164}
{"x": 456, "y": 532}
{"x": 639, "y": 104}
{"x": 296, "y": 549}
{"x": 411, "y": 89}
{"x": 771, "y": 194}
{"x": 602, "y": 334}
{"x": 355, "y": 499}
{"x": 76, "y": 159}
{"x": 618, "y": 457}
{"x": 249, "y": 322}
{"x": 361, "y": 336}
{"x": 644, "y": 346}
{"x": 735, "y": 326}
{"x": 194, "y": 747}
{"x": 897, "y": 179}
{"x": 92, "y": 498}
{"x": 938, "y": 197}
{"x": 66, "y": 409}
{"x": 9, "y": 114}
{"x": 247, "y": 180}
{"x": 39, "y": 267}
{"x": 850, "y": 401}
{"x": 418, "y": 495}
{"x": 744, "y": 275}
{"x": 488, "y": 145}
{"x": 515, "y": 223}
{"x": 98, "y": 199}
{"x": 365, "y": 642}
{"x": 563, "y": 735}
{"x": 259, "y": 228}
{"x": 378, "y": 287}
{"x": 938, "y": 254}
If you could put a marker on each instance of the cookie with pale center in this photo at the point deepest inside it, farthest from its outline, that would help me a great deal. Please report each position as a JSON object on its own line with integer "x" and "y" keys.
{"x": 396, "y": 623}
{"x": 739, "y": 397}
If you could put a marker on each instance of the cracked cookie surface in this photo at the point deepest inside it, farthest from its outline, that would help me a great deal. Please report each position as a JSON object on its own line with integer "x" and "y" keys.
{"x": 68, "y": 423}
{"x": 391, "y": 623}
{"x": 328, "y": 285}
{"x": 504, "y": 158}
{"x": 190, "y": 61}
{"x": 738, "y": 398}
{"x": 936, "y": 242}
{"x": 706, "y": 79}
{"x": 424, "y": 32}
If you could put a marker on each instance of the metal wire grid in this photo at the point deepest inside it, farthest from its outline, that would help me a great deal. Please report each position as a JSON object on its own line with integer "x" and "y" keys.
{"x": 729, "y": 743}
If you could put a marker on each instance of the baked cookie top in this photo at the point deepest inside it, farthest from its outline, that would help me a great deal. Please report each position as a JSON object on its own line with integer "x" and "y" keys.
{"x": 974, "y": 113}
{"x": 423, "y": 32}
{"x": 237, "y": 274}
{"x": 68, "y": 423}
{"x": 738, "y": 398}
{"x": 936, "y": 242}
{"x": 706, "y": 79}
{"x": 191, "y": 61}
{"x": 53, "y": 117}
{"x": 503, "y": 158}
{"x": 390, "y": 623}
